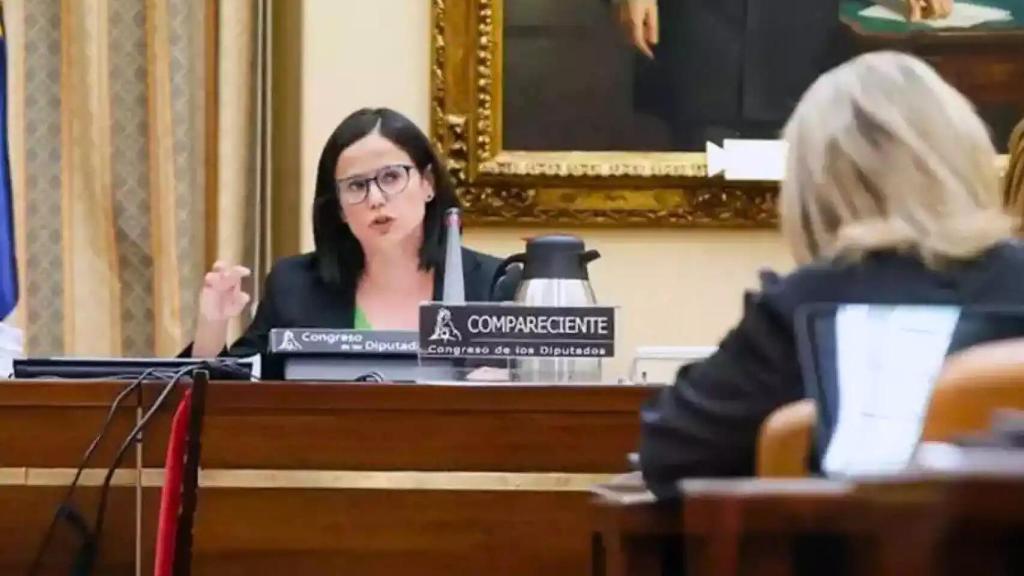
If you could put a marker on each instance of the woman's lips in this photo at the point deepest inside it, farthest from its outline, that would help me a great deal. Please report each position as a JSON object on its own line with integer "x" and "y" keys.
{"x": 382, "y": 223}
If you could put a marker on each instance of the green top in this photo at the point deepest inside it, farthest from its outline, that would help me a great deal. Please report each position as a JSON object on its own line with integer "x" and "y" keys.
{"x": 360, "y": 322}
{"x": 849, "y": 12}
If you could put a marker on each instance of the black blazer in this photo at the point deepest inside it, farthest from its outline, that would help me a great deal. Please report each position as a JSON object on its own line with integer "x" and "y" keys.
{"x": 706, "y": 424}
{"x": 724, "y": 61}
{"x": 295, "y": 296}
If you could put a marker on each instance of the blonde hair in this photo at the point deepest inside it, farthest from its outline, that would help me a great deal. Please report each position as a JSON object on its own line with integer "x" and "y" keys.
{"x": 885, "y": 155}
{"x": 1013, "y": 193}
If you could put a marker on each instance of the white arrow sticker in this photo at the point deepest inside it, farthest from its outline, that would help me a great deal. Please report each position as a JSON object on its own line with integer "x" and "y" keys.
{"x": 747, "y": 159}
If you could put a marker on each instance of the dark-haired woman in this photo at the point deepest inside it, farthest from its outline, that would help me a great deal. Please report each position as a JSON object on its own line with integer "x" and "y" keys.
{"x": 378, "y": 227}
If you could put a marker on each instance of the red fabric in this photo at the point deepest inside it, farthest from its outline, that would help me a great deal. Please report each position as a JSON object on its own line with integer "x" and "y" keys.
{"x": 170, "y": 496}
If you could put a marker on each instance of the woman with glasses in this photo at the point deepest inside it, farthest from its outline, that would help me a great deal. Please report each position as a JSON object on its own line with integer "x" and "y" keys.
{"x": 381, "y": 195}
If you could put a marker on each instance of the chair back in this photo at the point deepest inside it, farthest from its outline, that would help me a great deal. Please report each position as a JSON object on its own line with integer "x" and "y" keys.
{"x": 784, "y": 440}
{"x": 170, "y": 494}
{"x": 972, "y": 385}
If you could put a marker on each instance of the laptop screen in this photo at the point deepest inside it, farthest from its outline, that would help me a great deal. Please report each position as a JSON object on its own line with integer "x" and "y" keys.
{"x": 871, "y": 370}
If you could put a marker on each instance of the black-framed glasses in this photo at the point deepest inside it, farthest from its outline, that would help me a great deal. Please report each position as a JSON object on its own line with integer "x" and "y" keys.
{"x": 391, "y": 180}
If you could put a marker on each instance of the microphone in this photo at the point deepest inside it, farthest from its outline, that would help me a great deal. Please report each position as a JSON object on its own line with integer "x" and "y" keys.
{"x": 454, "y": 291}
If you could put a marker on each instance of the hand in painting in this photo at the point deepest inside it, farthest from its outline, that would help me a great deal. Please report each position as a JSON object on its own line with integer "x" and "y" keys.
{"x": 917, "y": 10}
{"x": 639, "y": 22}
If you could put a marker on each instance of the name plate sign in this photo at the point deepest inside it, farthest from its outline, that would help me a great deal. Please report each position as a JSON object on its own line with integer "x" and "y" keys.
{"x": 329, "y": 341}
{"x": 502, "y": 331}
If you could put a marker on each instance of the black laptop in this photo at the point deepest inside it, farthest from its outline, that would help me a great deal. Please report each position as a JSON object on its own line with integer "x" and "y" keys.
{"x": 126, "y": 368}
{"x": 871, "y": 368}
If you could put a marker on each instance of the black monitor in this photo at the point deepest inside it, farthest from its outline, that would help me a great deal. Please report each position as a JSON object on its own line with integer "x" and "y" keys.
{"x": 126, "y": 368}
{"x": 887, "y": 371}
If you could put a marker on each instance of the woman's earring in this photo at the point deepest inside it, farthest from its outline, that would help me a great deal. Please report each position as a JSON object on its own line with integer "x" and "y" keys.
{"x": 430, "y": 197}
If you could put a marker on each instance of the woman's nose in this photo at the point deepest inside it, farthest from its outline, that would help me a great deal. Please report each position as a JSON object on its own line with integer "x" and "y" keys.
{"x": 375, "y": 196}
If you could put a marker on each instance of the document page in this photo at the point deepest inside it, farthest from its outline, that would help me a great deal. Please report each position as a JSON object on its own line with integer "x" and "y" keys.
{"x": 964, "y": 15}
{"x": 888, "y": 358}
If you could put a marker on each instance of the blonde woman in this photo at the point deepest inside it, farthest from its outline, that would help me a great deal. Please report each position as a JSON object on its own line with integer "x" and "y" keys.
{"x": 891, "y": 196}
{"x": 1013, "y": 183}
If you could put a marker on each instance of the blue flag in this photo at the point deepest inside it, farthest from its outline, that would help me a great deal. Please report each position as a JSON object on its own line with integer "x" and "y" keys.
{"x": 8, "y": 263}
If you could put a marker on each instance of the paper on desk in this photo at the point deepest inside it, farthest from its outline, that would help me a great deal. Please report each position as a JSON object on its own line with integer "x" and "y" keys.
{"x": 964, "y": 15}
{"x": 887, "y": 358}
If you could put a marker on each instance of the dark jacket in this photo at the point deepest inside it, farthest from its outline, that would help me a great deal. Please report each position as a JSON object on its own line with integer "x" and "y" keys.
{"x": 295, "y": 296}
{"x": 730, "y": 62}
{"x": 706, "y": 424}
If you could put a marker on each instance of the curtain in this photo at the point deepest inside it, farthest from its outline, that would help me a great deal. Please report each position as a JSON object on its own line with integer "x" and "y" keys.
{"x": 135, "y": 157}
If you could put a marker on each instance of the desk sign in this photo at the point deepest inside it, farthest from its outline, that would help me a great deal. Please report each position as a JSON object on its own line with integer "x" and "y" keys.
{"x": 295, "y": 341}
{"x": 503, "y": 331}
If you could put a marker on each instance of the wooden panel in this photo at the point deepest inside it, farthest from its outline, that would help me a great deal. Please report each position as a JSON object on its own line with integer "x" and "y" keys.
{"x": 985, "y": 65}
{"x": 416, "y": 397}
{"x": 410, "y": 427}
{"x": 988, "y": 75}
{"x": 388, "y": 532}
{"x": 51, "y": 424}
{"x": 966, "y": 522}
{"x": 395, "y": 429}
{"x": 25, "y": 513}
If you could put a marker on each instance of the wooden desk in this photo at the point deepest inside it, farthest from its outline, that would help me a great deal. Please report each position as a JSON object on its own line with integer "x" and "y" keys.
{"x": 634, "y": 534}
{"x": 925, "y": 525}
{"x": 327, "y": 479}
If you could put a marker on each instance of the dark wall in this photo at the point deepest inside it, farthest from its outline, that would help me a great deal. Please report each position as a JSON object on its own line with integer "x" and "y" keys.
{"x": 568, "y": 80}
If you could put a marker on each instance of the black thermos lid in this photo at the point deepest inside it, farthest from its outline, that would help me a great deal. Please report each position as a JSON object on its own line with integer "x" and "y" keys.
{"x": 557, "y": 256}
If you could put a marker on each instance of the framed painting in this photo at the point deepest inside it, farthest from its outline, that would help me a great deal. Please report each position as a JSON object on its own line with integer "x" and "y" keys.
{"x": 526, "y": 151}
{"x": 549, "y": 116}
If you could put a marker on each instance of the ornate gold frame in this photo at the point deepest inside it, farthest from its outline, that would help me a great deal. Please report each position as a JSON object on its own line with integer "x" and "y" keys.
{"x": 510, "y": 187}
